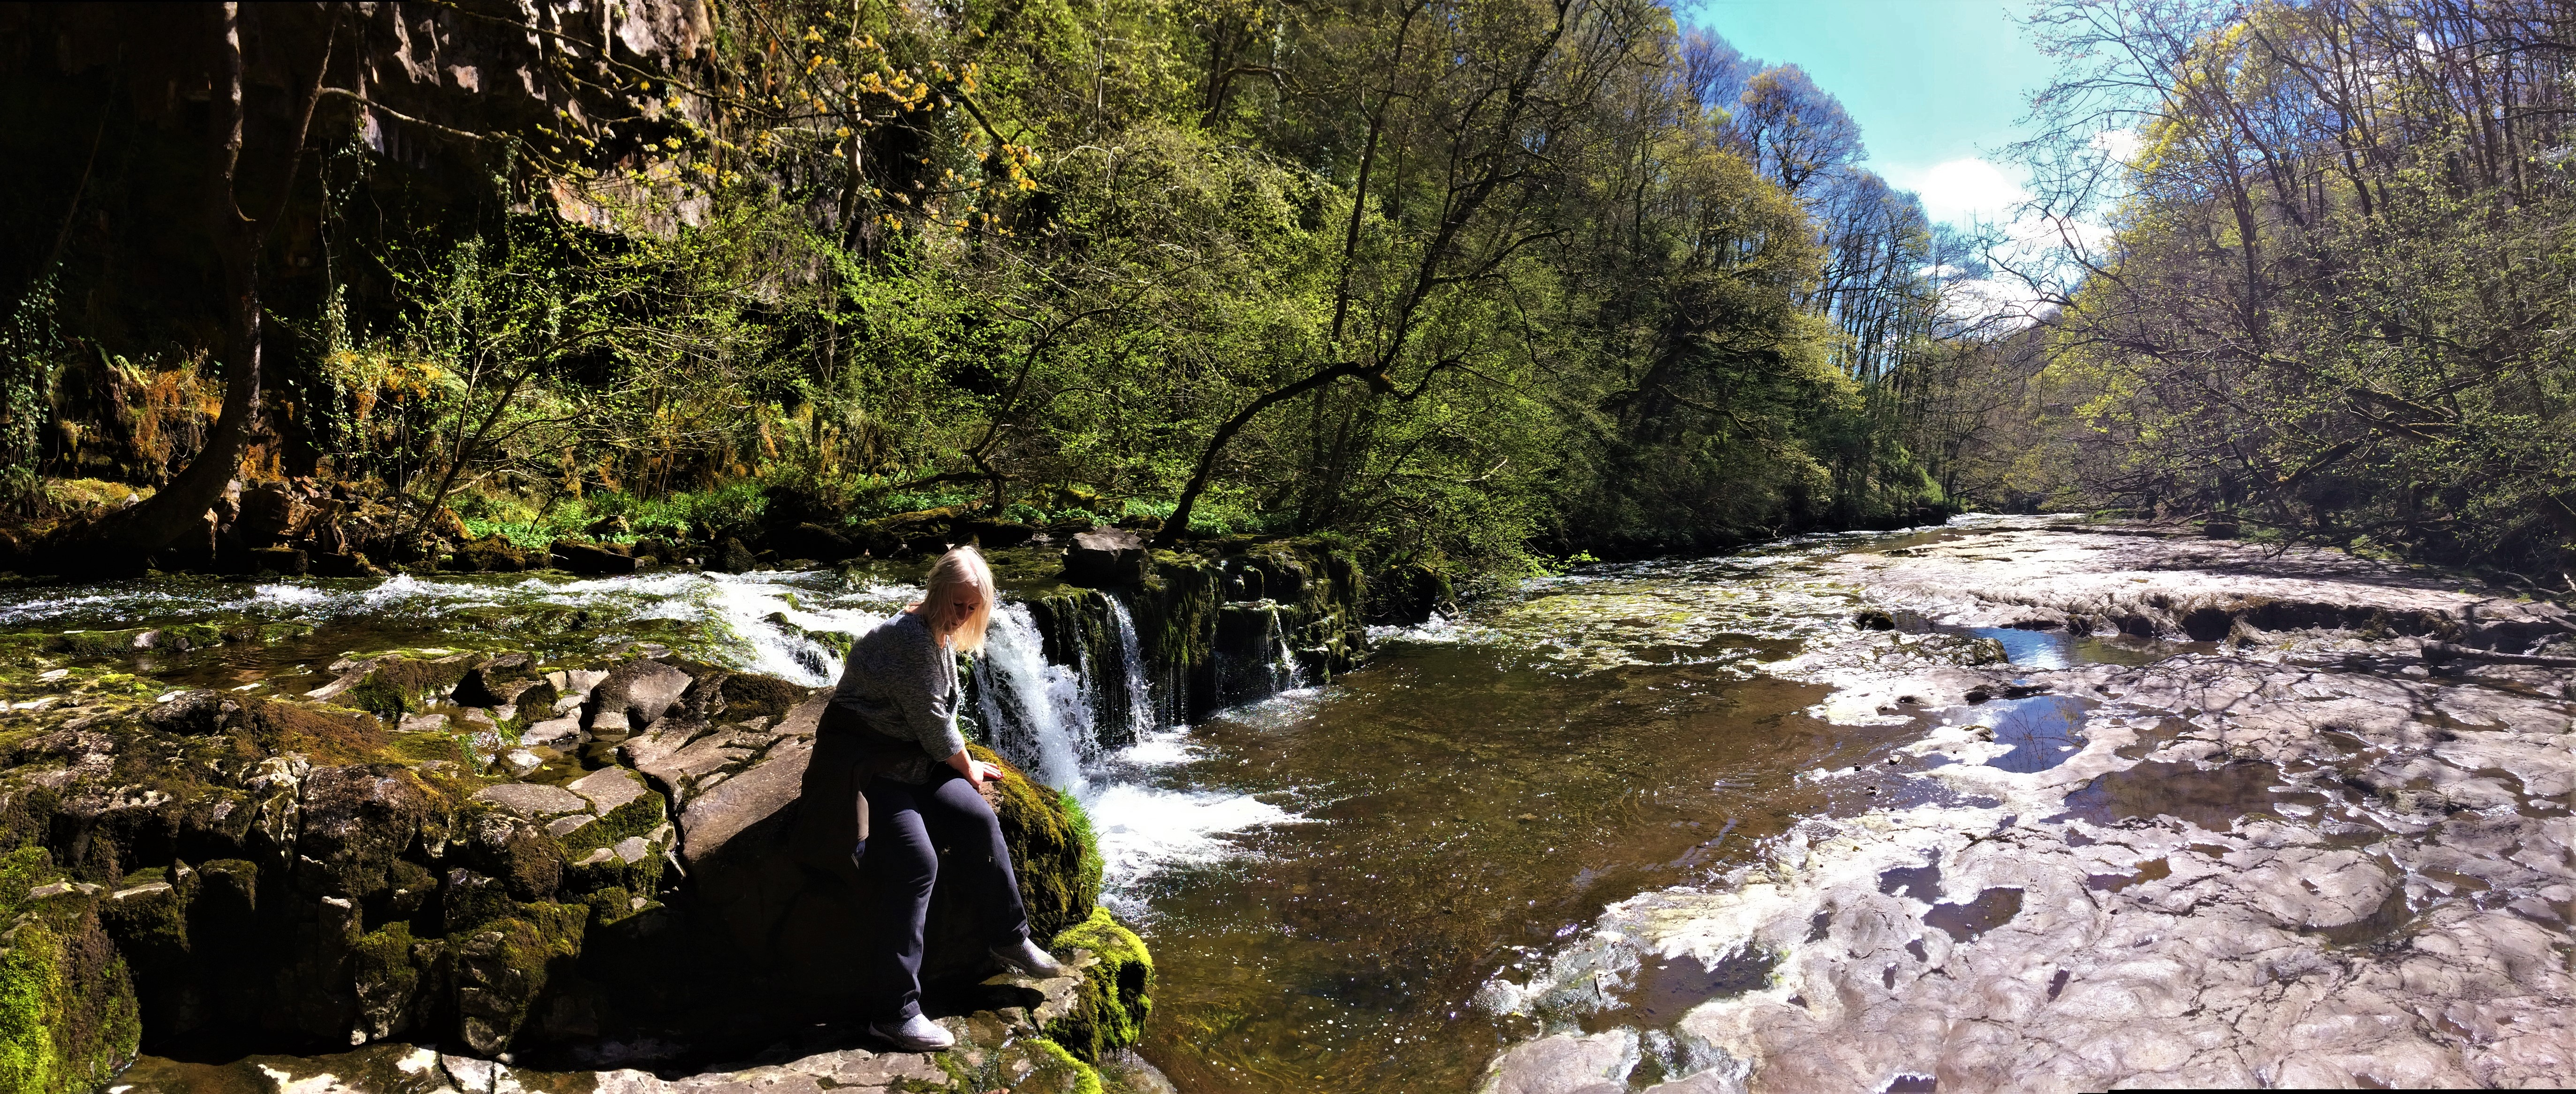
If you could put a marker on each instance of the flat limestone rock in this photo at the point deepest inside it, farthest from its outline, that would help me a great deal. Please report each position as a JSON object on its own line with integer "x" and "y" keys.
{"x": 708, "y": 755}
{"x": 848, "y": 1069}
{"x": 579, "y": 682}
{"x": 643, "y": 690}
{"x": 1706, "y": 1082}
{"x": 719, "y": 815}
{"x": 607, "y": 788}
{"x": 1566, "y": 1064}
{"x": 806, "y": 715}
{"x": 2287, "y": 856}
{"x": 534, "y": 801}
{"x": 551, "y": 730}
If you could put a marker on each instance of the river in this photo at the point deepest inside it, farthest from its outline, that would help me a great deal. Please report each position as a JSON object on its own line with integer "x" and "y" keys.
{"x": 1385, "y": 882}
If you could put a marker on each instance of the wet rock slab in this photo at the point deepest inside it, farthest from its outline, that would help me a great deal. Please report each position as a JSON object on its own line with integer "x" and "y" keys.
{"x": 2296, "y": 858}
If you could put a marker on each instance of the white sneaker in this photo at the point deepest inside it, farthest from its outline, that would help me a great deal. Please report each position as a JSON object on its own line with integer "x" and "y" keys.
{"x": 1028, "y": 958}
{"x": 914, "y": 1034}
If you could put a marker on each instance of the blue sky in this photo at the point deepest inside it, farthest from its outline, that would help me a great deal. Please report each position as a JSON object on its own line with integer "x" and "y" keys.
{"x": 1936, "y": 85}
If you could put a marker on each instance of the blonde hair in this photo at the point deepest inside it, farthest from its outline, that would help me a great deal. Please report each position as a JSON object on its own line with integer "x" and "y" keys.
{"x": 959, "y": 570}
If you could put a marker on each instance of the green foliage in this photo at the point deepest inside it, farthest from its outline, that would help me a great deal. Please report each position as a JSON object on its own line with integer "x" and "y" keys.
{"x": 1473, "y": 284}
{"x": 30, "y": 340}
{"x": 2324, "y": 315}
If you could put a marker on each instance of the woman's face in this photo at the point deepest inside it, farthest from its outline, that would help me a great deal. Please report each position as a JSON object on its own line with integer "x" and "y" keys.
{"x": 960, "y": 607}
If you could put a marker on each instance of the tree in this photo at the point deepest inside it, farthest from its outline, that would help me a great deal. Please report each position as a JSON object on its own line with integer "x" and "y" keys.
{"x": 125, "y": 536}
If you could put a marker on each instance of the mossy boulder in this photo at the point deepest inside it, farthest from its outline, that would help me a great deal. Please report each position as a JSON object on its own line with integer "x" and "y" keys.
{"x": 1116, "y": 994}
{"x": 391, "y": 687}
{"x": 494, "y": 554}
{"x": 503, "y": 968}
{"x": 1053, "y": 850}
{"x": 751, "y": 695}
{"x": 927, "y": 531}
{"x": 353, "y": 881}
{"x": 68, "y": 1016}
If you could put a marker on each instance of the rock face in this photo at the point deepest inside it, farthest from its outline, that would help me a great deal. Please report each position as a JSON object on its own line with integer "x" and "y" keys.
{"x": 68, "y": 1016}
{"x": 264, "y": 873}
{"x": 2288, "y": 855}
{"x": 1210, "y": 629}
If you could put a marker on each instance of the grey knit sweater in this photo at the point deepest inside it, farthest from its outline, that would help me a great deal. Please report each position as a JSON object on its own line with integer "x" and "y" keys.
{"x": 902, "y": 683}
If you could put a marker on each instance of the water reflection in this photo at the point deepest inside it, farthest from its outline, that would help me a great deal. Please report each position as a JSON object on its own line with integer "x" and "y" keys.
{"x": 2059, "y": 648}
{"x": 2044, "y": 731}
{"x": 2214, "y": 798}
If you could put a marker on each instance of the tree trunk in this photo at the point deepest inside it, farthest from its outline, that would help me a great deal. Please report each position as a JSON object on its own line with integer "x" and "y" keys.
{"x": 123, "y": 539}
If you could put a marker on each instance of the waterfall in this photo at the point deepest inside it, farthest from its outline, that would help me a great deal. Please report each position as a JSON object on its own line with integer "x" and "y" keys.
{"x": 1141, "y": 716}
{"x": 1286, "y": 674}
{"x": 1036, "y": 714}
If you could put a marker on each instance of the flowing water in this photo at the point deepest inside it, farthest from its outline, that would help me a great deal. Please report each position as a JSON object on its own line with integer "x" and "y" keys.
{"x": 1336, "y": 881}
{"x": 1449, "y": 814}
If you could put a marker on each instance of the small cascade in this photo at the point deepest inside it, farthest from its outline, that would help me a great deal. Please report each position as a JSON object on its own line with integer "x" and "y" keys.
{"x": 773, "y": 624}
{"x": 1286, "y": 672}
{"x": 1036, "y": 714}
{"x": 1132, "y": 702}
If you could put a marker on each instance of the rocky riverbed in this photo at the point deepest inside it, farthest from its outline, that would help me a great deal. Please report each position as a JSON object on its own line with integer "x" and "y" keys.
{"x": 556, "y": 847}
{"x": 2016, "y": 804}
{"x": 2306, "y": 825}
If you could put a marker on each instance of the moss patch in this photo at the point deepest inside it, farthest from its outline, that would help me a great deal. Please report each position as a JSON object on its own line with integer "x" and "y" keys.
{"x": 504, "y": 968}
{"x": 1056, "y": 1070}
{"x": 381, "y": 971}
{"x": 325, "y": 735}
{"x": 1058, "y": 866}
{"x": 1116, "y": 994}
{"x": 68, "y": 1019}
{"x": 399, "y": 686}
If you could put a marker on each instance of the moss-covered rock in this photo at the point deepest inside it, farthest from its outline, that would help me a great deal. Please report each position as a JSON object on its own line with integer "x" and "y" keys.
{"x": 68, "y": 1017}
{"x": 1053, "y": 850}
{"x": 348, "y": 882}
{"x": 395, "y": 686}
{"x": 1116, "y": 994}
{"x": 504, "y": 967}
{"x": 1213, "y": 620}
{"x": 493, "y": 554}
{"x": 386, "y": 979}
{"x": 837, "y": 642}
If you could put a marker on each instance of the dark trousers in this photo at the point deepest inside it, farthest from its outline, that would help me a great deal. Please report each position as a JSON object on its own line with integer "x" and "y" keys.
{"x": 899, "y": 862}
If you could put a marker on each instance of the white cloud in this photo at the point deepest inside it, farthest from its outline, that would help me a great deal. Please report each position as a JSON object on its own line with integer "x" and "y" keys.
{"x": 2122, "y": 144}
{"x": 1961, "y": 191}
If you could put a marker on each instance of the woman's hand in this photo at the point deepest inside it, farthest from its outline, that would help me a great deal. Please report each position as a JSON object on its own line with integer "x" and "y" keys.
{"x": 976, "y": 771}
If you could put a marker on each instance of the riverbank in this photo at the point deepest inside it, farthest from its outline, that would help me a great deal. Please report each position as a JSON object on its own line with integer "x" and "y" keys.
{"x": 2302, "y": 827}
{"x": 564, "y": 845}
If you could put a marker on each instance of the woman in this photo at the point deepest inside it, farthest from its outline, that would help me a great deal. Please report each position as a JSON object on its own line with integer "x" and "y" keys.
{"x": 891, "y": 783}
